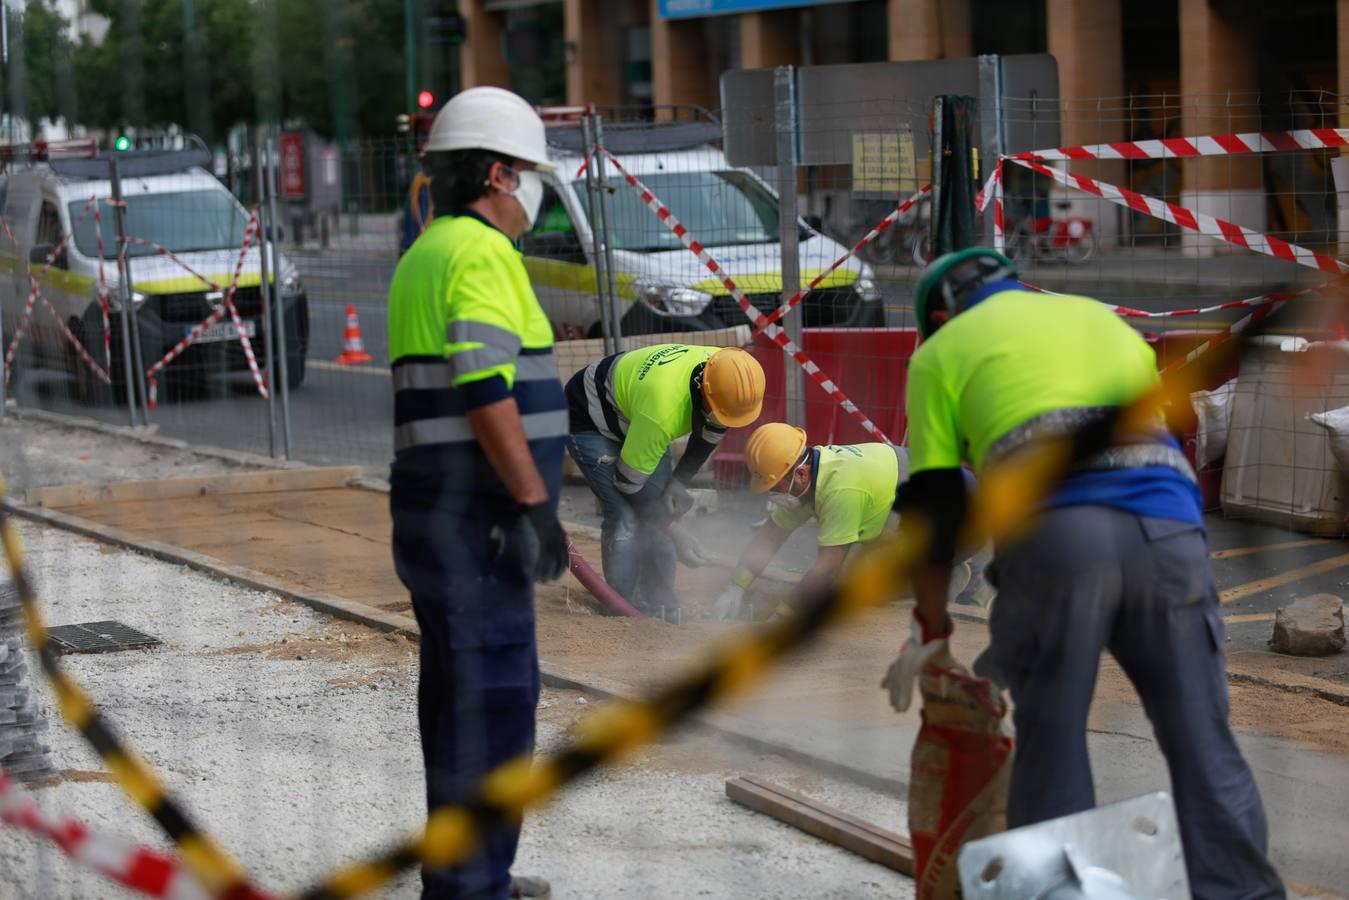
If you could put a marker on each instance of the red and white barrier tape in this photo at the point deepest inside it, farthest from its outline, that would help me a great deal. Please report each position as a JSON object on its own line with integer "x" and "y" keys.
{"x": 1231, "y": 331}
{"x": 152, "y": 872}
{"x": 1201, "y": 223}
{"x": 870, "y": 236}
{"x": 227, "y": 304}
{"x": 1207, "y": 145}
{"x": 35, "y": 281}
{"x": 165, "y": 251}
{"x": 74, "y": 342}
{"x": 771, "y": 331}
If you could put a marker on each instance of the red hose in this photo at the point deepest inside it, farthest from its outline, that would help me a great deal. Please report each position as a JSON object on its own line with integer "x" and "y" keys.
{"x": 609, "y": 598}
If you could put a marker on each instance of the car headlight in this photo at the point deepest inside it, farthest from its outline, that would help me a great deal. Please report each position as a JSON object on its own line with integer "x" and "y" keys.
{"x": 115, "y": 298}
{"x": 291, "y": 285}
{"x": 866, "y": 288}
{"x": 670, "y": 300}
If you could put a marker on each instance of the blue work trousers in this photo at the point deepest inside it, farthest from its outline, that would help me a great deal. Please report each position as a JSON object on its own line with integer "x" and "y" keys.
{"x": 637, "y": 554}
{"x": 1092, "y": 578}
{"x": 479, "y": 683}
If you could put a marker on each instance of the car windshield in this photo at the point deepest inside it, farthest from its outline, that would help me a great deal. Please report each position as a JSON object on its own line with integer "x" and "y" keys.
{"x": 720, "y": 209}
{"x": 181, "y": 221}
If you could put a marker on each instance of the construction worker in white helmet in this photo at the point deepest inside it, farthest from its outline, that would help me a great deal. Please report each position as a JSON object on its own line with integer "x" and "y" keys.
{"x": 849, "y": 488}
{"x": 626, "y": 410}
{"x": 480, "y": 422}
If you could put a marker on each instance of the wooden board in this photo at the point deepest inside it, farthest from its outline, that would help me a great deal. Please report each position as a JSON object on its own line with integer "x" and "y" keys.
{"x": 894, "y": 851}
{"x": 171, "y": 488}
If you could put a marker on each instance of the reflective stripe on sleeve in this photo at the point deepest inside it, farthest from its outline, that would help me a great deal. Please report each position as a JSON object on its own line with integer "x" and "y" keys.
{"x": 422, "y": 376}
{"x": 465, "y": 331}
{"x": 628, "y": 480}
{"x": 467, "y": 362}
{"x": 457, "y": 430}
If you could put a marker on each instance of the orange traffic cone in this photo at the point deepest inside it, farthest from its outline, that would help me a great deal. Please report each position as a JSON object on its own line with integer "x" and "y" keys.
{"x": 353, "y": 349}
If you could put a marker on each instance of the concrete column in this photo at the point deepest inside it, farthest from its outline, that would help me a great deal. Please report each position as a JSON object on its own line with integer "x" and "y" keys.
{"x": 1087, "y": 39}
{"x": 481, "y": 59}
{"x": 929, "y": 29}
{"x": 594, "y": 52}
{"x": 1218, "y": 79}
{"x": 679, "y": 71}
{"x": 770, "y": 39}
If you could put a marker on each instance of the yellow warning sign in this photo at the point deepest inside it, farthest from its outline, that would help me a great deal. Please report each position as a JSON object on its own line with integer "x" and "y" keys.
{"x": 883, "y": 162}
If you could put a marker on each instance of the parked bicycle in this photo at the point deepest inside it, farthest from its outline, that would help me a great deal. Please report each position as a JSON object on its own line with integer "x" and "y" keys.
{"x": 1070, "y": 239}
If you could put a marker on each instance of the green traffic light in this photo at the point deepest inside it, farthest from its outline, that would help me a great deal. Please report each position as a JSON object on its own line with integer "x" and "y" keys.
{"x": 122, "y": 143}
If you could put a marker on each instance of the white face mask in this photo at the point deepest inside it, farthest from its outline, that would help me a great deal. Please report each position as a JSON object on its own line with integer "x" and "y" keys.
{"x": 788, "y": 500}
{"x": 529, "y": 194}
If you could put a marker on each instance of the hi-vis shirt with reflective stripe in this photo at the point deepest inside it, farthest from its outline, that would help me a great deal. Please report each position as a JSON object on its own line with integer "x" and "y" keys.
{"x": 646, "y": 399}
{"x": 466, "y": 330}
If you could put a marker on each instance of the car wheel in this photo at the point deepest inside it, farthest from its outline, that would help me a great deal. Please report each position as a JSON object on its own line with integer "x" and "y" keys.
{"x": 91, "y": 390}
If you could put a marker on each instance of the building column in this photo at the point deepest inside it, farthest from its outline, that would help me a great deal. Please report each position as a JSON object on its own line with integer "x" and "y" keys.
{"x": 594, "y": 52}
{"x": 929, "y": 29}
{"x": 1218, "y": 79}
{"x": 770, "y": 39}
{"x": 1087, "y": 39}
{"x": 679, "y": 72}
{"x": 481, "y": 59}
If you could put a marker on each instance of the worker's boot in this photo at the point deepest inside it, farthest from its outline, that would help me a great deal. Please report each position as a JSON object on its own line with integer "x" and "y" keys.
{"x": 529, "y": 886}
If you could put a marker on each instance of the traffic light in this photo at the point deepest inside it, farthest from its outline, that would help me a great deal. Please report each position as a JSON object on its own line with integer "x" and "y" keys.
{"x": 426, "y": 99}
{"x": 122, "y": 144}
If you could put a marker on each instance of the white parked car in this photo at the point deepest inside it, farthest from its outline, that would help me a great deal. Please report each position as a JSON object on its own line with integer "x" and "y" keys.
{"x": 661, "y": 286}
{"x": 172, "y": 202}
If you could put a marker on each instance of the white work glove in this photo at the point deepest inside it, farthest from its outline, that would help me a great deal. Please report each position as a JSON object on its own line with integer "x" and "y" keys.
{"x": 689, "y": 551}
{"x": 920, "y": 649}
{"x": 730, "y": 605}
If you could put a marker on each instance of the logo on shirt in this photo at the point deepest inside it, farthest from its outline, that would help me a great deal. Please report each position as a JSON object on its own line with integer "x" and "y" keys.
{"x": 661, "y": 357}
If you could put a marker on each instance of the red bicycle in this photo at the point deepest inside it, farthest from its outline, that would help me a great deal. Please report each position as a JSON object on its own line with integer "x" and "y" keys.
{"x": 1071, "y": 239}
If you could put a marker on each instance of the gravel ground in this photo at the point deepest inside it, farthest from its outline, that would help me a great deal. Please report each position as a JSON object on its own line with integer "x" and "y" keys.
{"x": 293, "y": 738}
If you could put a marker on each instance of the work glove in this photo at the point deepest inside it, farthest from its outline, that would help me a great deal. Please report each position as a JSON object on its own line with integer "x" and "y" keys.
{"x": 689, "y": 551}
{"x": 730, "y": 605}
{"x": 921, "y": 648}
{"x": 677, "y": 498}
{"x": 543, "y": 542}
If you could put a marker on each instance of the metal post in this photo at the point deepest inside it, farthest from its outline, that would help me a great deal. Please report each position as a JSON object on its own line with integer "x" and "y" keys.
{"x": 131, "y": 344}
{"x": 615, "y": 320}
{"x": 934, "y": 221}
{"x": 991, "y": 139}
{"x": 283, "y": 378}
{"x": 596, "y": 251}
{"x": 410, "y": 53}
{"x": 264, "y": 286}
{"x": 789, "y": 230}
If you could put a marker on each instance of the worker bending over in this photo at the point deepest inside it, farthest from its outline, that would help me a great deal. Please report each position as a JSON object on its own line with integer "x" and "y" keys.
{"x": 1116, "y": 559}
{"x": 626, "y": 410}
{"x": 850, "y": 489}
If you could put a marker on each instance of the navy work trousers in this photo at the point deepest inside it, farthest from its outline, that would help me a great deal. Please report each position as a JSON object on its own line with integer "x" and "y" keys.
{"x": 638, "y": 556}
{"x": 479, "y": 683}
{"x": 1092, "y": 578}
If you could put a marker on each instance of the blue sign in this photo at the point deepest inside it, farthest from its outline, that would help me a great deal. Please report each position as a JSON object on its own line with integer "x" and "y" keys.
{"x": 692, "y": 9}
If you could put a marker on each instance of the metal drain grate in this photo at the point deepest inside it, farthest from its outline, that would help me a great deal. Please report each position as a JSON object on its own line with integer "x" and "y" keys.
{"x": 98, "y": 637}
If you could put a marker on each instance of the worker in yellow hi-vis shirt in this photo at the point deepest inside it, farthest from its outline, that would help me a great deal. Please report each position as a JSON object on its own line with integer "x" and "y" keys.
{"x": 849, "y": 488}
{"x": 479, "y": 426}
{"x": 626, "y": 410}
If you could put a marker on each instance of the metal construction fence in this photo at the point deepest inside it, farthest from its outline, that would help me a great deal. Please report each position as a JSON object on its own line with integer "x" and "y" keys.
{"x": 227, "y": 311}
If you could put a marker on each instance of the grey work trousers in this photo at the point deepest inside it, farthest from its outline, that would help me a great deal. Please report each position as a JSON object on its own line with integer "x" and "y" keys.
{"x": 1092, "y": 578}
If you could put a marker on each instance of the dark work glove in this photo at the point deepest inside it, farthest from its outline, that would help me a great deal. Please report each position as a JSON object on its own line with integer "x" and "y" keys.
{"x": 543, "y": 542}
{"x": 678, "y": 500}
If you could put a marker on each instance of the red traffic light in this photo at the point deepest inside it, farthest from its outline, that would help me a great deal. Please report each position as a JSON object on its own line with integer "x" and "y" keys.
{"x": 425, "y": 99}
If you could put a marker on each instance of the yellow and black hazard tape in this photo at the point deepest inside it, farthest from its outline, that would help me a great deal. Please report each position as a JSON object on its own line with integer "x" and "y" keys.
{"x": 212, "y": 866}
{"x": 1002, "y": 508}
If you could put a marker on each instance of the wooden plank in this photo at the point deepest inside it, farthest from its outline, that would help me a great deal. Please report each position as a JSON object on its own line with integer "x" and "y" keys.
{"x": 894, "y": 851}
{"x": 170, "y": 488}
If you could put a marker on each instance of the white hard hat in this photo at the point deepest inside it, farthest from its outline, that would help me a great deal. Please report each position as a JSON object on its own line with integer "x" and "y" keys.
{"x": 490, "y": 118}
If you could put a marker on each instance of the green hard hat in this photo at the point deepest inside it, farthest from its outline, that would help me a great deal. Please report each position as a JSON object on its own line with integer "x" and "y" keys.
{"x": 937, "y": 291}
